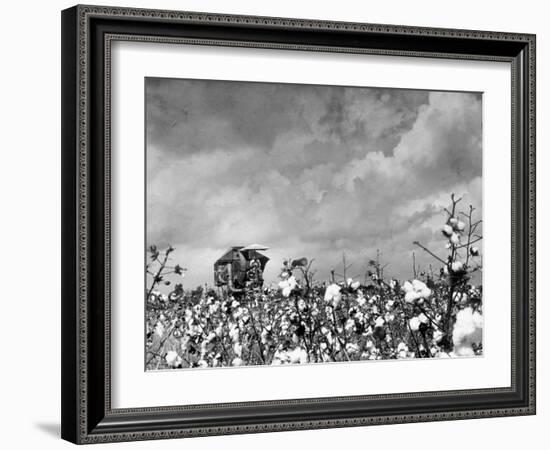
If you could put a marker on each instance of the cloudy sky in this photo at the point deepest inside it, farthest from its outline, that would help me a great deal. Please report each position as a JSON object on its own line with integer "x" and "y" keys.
{"x": 307, "y": 170}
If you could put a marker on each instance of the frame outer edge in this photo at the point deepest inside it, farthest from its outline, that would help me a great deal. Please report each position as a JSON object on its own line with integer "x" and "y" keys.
{"x": 75, "y": 239}
{"x": 69, "y": 288}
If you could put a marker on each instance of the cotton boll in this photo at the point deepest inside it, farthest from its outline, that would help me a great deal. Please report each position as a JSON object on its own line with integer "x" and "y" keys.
{"x": 457, "y": 266}
{"x": 173, "y": 359}
{"x": 474, "y": 251}
{"x": 402, "y": 350}
{"x": 333, "y": 295}
{"x": 421, "y": 288}
{"x": 455, "y": 239}
{"x": 447, "y": 230}
{"x": 159, "y": 329}
{"x": 417, "y": 290}
{"x": 460, "y": 225}
{"x": 438, "y": 336}
{"x": 379, "y": 322}
{"x": 287, "y": 286}
{"x": 459, "y": 297}
{"x": 238, "y": 349}
{"x": 237, "y": 362}
{"x": 467, "y": 331}
{"x": 211, "y": 336}
{"x": 298, "y": 356}
{"x": 414, "y": 323}
{"x": 423, "y": 319}
{"x": 234, "y": 333}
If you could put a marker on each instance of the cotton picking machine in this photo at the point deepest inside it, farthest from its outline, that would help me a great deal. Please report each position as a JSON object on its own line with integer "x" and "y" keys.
{"x": 241, "y": 267}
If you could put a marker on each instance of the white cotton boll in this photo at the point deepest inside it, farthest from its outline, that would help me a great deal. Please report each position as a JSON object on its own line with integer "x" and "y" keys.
{"x": 202, "y": 363}
{"x": 447, "y": 230}
{"x": 332, "y": 294}
{"x": 234, "y": 333}
{"x": 457, "y": 266}
{"x": 421, "y": 288}
{"x": 298, "y": 356}
{"x": 474, "y": 251}
{"x": 455, "y": 239}
{"x": 453, "y": 221}
{"x": 410, "y": 293}
{"x": 350, "y": 325}
{"x": 379, "y": 322}
{"x": 173, "y": 359}
{"x": 159, "y": 329}
{"x": 423, "y": 318}
{"x": 287, "y": 286}
{"x": 237, "y": 362}
{"x": 460, "y": 225}
{"x": 402, "y": 350}
{"x": 467, "y": 331}
{"x": 438, "y": 336}
{"x": 355, "y": 285}
{"x": 238, "y": 349}
{"x": 389, "y": 317}
{"x": 414, "y": 323}
{"x": 349, "y": 281}
{"x": 361, "y": 300}
{"x": 464, "y": 350}
{"x": 211, "y": 336}
{"x": 459, "y": 297}
{"x": 417, "y": 290}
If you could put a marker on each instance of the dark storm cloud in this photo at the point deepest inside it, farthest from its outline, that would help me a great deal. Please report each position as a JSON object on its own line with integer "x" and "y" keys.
{"x": 307, "y": 170}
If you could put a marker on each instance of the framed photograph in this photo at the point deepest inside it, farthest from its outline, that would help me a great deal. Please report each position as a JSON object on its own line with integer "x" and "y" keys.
{"x": 280, "y": 224}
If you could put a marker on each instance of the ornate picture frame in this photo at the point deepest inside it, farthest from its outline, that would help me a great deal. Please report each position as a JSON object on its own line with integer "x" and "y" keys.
{"x": 88, "y": 33}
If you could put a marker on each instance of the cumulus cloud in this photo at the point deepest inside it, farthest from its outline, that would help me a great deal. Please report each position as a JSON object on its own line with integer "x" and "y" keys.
{"x": 307, "y": 170}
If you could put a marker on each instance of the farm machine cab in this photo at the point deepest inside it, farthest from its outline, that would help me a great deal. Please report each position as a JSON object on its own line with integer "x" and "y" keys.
{"x": 240, "y": 268}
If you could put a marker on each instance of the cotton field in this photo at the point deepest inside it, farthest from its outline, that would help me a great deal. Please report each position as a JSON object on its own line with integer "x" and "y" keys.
{"x": 300, "y": 319}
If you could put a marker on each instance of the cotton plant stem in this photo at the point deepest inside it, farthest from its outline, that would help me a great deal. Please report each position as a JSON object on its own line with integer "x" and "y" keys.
{"x": 429, "y": 252}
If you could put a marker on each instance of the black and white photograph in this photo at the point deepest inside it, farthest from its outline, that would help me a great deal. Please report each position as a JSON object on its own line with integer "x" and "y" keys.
{"x": 295, "y": 224}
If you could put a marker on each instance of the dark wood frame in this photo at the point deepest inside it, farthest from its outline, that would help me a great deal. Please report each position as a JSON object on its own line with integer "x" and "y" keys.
{"x": 87, "y": 32}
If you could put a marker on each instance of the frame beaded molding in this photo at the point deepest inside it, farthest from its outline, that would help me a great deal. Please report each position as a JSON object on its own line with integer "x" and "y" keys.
{"x": 84, "y": 14}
